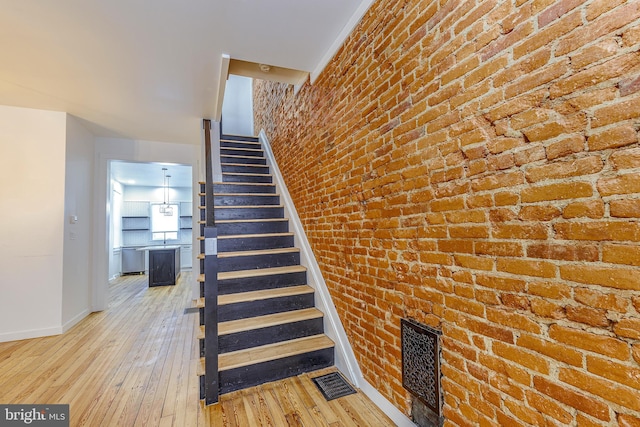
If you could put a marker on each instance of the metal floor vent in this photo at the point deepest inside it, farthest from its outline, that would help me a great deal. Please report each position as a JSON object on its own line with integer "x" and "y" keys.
{"x": 333, "y": 386}
{"x": 191, "y": 310}
{"x": 421, "y": 362}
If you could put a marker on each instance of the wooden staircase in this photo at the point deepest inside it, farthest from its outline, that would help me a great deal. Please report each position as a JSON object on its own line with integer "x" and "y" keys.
{"x": 268, "y": 326}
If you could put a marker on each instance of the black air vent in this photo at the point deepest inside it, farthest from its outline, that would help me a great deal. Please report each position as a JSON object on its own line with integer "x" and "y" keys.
{"x": 333, "y": 386}
{"x": 421, "y": 362}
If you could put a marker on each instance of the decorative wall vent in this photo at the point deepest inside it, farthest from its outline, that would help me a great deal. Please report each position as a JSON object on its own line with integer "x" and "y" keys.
{"x": 421, "y": 362}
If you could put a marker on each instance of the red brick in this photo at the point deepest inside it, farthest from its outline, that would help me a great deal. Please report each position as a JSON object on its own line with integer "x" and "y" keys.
{"x": 602, "y": 388}
{"x": 548, "y": 407}
{"x": 571, "y": 252}
{"x": 626, "y": 159}
{"x": 521, "y": 357}
{"x": 561, "y": 191}
{"x": 539, "y": 213}
{"x": 555, "y": 351}
{"x": 626, "y": 420}
{"x": 550, "y": 290}
{"x": 635, "y": 352}
{"x": 614, "y": 371}
{"x": 579, "y": 401}
{"x": 506, "y": 198}
{"x": 500, "y": 283}
{"x": 526, "y": 267}
{"x": 618, "y": 112}
{"x": 613, "y": 138}
{"x": 618, "y": 278}
{"x": 558, "y": 9}
{"x": 548, "y": 309}
{"x": 565, "y": 147}
{"x": 518, "y": 302}
{"x": 623, "y": 184}
{"x": 565, "y": 169}
{"x": 625, "y": 208}
{"x": 588, "y": 341}
{"x": 590, "y": 209}
{"x": 598, "y": 230}
{"x": 587, "y": 315}
{"x": 512, "y": 320}
{"x": 535, "y": 231}
{"x": 628, "y": 328}
{"x": 597, "y": 299}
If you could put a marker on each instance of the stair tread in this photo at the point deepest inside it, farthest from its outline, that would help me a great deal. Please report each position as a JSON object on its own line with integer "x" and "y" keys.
{"x": 249, "y": 236}
{"x": 264, "y": 294}
{"x": 260, "y": 272}
{"x": 266, "y": 353}
{"x": 259, "y": 322}
{"x": 257, "y": 252}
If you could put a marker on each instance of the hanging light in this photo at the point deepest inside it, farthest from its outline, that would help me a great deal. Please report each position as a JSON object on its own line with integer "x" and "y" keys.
{"x": 165, "y": 208}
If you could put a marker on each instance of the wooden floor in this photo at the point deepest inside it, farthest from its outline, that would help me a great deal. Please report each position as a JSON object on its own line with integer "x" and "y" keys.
{"x": 136, "y": 364}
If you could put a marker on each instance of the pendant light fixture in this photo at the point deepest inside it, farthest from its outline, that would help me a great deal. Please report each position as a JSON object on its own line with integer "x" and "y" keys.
{"x": 166, "y": 209}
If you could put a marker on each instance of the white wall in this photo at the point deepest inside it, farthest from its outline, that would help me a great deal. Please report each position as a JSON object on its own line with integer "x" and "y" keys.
{"x": 32, "y": 186}
{"x": 106, "y": 150}
{"x": 78, "y": 238}
{"x": 237, "y": 108}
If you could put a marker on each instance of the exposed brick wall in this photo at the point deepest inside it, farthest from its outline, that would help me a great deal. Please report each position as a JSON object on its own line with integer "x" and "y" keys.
{"x": 475, "y": 165}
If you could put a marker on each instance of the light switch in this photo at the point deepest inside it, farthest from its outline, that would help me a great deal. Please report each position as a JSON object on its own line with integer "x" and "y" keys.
{"x": 73, "y": 219}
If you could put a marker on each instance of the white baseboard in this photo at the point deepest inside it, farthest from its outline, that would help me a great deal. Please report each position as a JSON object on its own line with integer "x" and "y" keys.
{"x": 31, "y": 333}
{"x": 75, "y": 320}
{"x": 345, "y": 359}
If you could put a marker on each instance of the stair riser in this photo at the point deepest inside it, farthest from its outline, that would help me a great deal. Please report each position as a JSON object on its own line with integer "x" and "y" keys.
{"x": 242, "y": 310}
{"x": 254, "y": 243}
{"x": 249, "y": 213}
{"x": 258, "y": 261}
{"x": 245, "y": 169}
{"x": 249, "y": 376}
{"x": 227, "y": 229}
{"x": 240, "y": 144}
{"x": 259, "y": 200}
{"x": 243, "y": 160}
{"x": 270, "y": 335}
{"x": 239, "y": 138}
{"x": 243, "y": 188}
{"x": 241, "y": 152}
{"x": 247, "y": 284}
{"x": 258, "y": 179}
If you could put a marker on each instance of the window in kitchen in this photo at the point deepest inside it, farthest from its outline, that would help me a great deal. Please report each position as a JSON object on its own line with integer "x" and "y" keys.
{"x": 165, "y": 221}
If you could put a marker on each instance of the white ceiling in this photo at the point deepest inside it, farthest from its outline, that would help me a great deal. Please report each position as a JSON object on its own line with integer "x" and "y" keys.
{"x": 151, "y": 174}
{"x": 149, "y": 69}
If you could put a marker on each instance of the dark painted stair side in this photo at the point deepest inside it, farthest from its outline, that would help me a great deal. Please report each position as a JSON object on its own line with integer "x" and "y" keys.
{"x": 265, "y": 306}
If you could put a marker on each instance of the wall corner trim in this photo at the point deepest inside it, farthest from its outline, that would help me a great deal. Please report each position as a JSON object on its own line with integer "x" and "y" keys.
{"x": 339, "y": 41}
{"x": 346, "y": 360}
